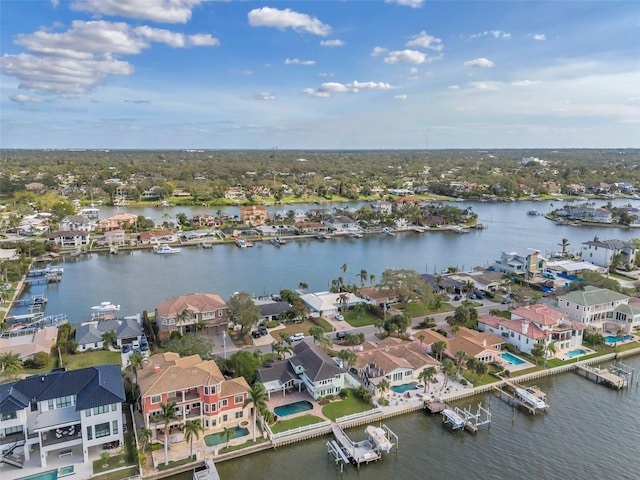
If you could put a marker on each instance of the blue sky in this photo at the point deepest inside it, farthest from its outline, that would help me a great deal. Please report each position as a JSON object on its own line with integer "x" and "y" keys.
{"x": 319, "y": 75}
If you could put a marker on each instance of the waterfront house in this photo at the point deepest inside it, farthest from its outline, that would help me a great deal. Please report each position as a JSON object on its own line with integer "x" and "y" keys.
{"x": 380, "y": 206}
{"x": 603, "y": 253}
{"x": 69, "y": 239}
{"x": 310, "y": 228}
{"x": 29, "y": 342}
{"x": 253, "y": 215}
{"x": 376, "y": 296}
{"x": 157, "y": 237}
{"x": 206, "y": 309}
{"x": 521, "y": 261}
{"x": 199, "y": 391}
{"x": 602, "y": 309}
{"x": 309, "y": 366}
{"x": 329, "y": 303}
{"x": 535, "y": 324}
{"x": 341, "y": 224}
{"x": 78, "y": 223}
{"x": 271, "y": 310}
{"x": 112, "y": 237}
{"x": 235, "y": 193}
{"x": 116, "y": 222}
{"x": 397, "y": 360}
{"x": 585, "y": 213}
{"x": 62, "y": 413}
{"x": 9, "y": 254}
{"x": 89, "y": 335}
{"x": 482, "y": 346}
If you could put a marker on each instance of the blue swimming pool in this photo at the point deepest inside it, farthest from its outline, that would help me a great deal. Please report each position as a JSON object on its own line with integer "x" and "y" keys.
{"x": 404, "y": 387}
{"x": 511, "y": 359}
{"x": 50, "y": 475}
{"x": 618, "y": 338}
{"x": 293, "y": 408}
{"x": 218, "y": 438}
{"x": 576, "y": 352}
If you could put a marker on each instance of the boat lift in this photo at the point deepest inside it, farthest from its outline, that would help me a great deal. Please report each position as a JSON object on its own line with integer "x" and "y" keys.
{"x": 473, "y": 421}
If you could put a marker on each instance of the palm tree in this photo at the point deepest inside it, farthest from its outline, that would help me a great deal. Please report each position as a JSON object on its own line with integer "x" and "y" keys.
{"x": 564, "y": 243}
{"x": 303, "y": 286}
{"x": 136, "y": 362}
{"x": 461, "y": 359}
{"x": 343, "y": 298}
{"x": 619, "y": 333}
{"x": 438, "y": 348}
{"x": 258, "y": 398}
{"x": 10, "y": 364}
{"x": 348, "y": 357}
{"x": 109, "y": 338}
{"x": 227, "y": 434}
{"x": 144, "y": 436}
{"x": 192, "y": 428}
{"x": 550, "y": 350}
{"x": 384, "y": 385}
{"x": 183, "y": 317}
{"x": 372, "y": 278}
{"x": 426, "y": 375}
{"x": 344, "y": 268}
{"x": 363, "y": 276}
{"x": 166, "y": 415}
{"x": 449, "y": 369}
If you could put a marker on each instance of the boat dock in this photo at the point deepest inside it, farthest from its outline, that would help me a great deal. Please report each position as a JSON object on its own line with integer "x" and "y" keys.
{"x": 616, "y": 376}
{"x": 209, "y": 473}
{"x": 343, "y": 449}
{"x": 435, "y": 407}
{"x": 531, "y": 399}
{"x": 463, "y": 418}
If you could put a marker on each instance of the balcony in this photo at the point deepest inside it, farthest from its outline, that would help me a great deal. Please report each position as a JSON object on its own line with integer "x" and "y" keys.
{"x": 62, "y": 435}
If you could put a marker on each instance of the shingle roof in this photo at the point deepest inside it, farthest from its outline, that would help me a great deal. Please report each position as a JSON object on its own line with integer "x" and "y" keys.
{"x": 591, "y": 296}
{"x": 93, "y": 387}
{"x": 194, "y": 302}
{"x": 317, "y": 364}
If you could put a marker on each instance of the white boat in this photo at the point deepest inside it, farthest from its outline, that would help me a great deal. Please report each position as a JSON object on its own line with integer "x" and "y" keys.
{"x": 104, "y": 308}
{"x": 388, "y": 231}
{"x": 379, "y": 438}
{"x": 242, "y": 243}
{"x": 452, "y": 418}
{"x": 530, "y": 398}
{"x": 165, "y": 249}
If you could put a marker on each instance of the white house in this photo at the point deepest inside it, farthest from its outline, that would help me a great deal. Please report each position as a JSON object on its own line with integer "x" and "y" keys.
{"x": 329, "y": 303}
{"x": 62, "y": 413}
{"x": 602, "y": 252}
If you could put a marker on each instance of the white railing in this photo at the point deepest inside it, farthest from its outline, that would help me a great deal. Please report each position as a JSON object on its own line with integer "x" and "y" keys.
{"x": 299, "y": 430}
{"x": 353, "y": 416}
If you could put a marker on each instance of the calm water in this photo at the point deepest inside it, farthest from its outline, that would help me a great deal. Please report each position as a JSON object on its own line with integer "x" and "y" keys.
{"x": 589, "y": 432}
{"x": 140, "y": 280}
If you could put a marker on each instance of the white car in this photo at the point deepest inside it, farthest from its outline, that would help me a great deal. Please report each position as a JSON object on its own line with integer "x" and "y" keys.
{"x": 296, "y": 336}
{"x": 339, "y": 317}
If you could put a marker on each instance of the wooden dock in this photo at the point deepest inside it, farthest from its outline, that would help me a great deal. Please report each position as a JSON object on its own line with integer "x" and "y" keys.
{"x": 617, "y": 377}
{"x": 512, "y": 399}
{"x": 435, "y": 407}
{"x": 356, "y": 452}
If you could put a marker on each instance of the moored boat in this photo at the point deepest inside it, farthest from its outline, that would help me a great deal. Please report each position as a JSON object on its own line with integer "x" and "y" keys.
{"x": 165, "y": 249}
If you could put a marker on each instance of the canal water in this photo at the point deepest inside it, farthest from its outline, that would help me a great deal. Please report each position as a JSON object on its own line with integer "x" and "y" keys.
{"x": 589, "y": 432}
{"x": 140, "y": 280}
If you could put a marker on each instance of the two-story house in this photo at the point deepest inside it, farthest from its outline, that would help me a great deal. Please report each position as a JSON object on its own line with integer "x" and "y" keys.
{"x": 253, "y": 215}
{"x": 341, "y": 224}
{"x": 69, "y": 239}
{"x": 601, "y": 309}
{"x": 604, "y": 252}
{"x": 184, "y": 312}
{"x": 62, "y": 413}
{"x": 196, "y": 387}
{"x": 79, "y": 223}
{"x": 309, "y": 366}
{"x": 524, "y": 261}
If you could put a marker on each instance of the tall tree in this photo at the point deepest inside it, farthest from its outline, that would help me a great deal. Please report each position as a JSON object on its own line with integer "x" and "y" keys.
{"x": 426, "y": 375}
{"x": 348, "y": 357}
{"x": 136, "y": 362}
{"x": 166, "y": 415}
{"x": 243, "y": 311}
{"x": 383, "y": 385}
{"x": 192, "y": 428}
{"x": 407, "y": 285}
{"x": 363, "y": 276}
{"x": 439, "y": 348}
{"x": 564, "y": 243}
{"x": 109, "y": 338}
{"x": 258, "y": 399}
{"x": 10, "y": 365}
{"x": 183, "y": 317}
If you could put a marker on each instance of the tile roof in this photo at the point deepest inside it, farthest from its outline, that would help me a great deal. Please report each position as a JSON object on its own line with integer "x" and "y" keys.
{"x": 540, "y": 314}
{"x": 393, "y": 353}
{"x": 194, "y": 302}
{"x": 591, "y": 296}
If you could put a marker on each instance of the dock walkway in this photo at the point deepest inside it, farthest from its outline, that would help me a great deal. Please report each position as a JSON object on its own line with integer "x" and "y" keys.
{"x": 358, "y": 452}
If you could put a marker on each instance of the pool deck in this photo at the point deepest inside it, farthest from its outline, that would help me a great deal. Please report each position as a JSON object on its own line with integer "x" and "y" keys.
{"x": 81, "y": 470}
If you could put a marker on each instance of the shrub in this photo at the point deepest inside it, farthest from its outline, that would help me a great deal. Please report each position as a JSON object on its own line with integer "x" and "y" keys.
{"x": 39, "y": 360}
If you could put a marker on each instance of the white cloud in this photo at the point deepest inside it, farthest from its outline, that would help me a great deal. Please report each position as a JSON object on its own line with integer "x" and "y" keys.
{"x": 479, "y": 62}
{"x": 297, "y": 61}
{"x": 378, "y": 51}
{"x": 486, "y": 86}
{"x": 454, "y": 87}
{"x": 325, "y": 74}
{"x": 85, "y": 54}
{"x": 159, "y": 11}
{"x": 525, "y": 83}
{"x": 327, "y": 89}
{"x": 266, "y": 96}
{"x": 424, "y": 40}
{"x": 540, "y": 37}
{"x": 55, "y": 3}
{"x": 332, "y": 43}
{"x": 283, "y": 19}
{"x": 22, "y": 98}
{"x": 407, "y": 3}
{"x": 406, "y": 56}
{"x": 498, "y": 34}
{"x": 402, "y": 96}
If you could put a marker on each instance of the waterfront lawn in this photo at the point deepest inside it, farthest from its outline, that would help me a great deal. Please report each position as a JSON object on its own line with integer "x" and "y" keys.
{"x": 418, "y": 309}
{"x": 351, "y": 404}
{"x": 76, "y": 361}
{"x": 296, "y": 422}
{"x": 248, "y": 443}
{"x": 118, "y": 475}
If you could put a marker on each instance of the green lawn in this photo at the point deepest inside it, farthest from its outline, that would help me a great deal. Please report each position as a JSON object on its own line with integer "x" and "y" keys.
{"x": 89, "y": 359}
{"x": 417, "y": 309}
{"x": 120, "y": 474}
{"x": 340, "y": 408}
{"x": 363, "y": 320}
{"x": 301, "y": 421}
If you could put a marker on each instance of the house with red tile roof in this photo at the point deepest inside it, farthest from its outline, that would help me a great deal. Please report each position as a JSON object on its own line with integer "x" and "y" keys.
{"x": 207, "y": 309}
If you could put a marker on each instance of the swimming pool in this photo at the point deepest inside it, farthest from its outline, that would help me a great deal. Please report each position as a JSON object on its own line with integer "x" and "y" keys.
{"x": 65, "y": 471}
{"x": 576, "y": 352}
{"x": 511, "y": 359}
{"x": 618, "y": 338}
{"x": 293, "y": 408}
{"x": 404, "y": 387}
{"x": 218, "y": 438}
{"x": 50, "y": 475}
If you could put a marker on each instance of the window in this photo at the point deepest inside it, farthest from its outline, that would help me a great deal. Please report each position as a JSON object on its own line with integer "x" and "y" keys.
{"x": 66, "y": 401}
{"x": 114, "y": 426}
{"x": 102, "y": 430}
{"x": 156, "y": 399}
{"x": 225, "y": 417}
{"x": 224, "y": 403}
{"x": 240, "y": 414}
{"x": 206, "y": 390}
{"x": 214, "y": 407}
{"x": 213, "y": 389}
{"x": 206, "y": 408}
{"x": 8, "y": 416}
{"x": 10, "y": 430}
{"x": 87, "y": 412}
{"x": 89, "y": 433}
{"x": 220, "y": 313}
{"x": 114, "y": 407}
{"x": 101, "y": 409}
{"x": 238, "y": 399}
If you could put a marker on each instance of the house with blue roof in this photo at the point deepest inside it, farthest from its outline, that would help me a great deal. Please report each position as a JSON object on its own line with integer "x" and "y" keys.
{"x": 61, "y": 413}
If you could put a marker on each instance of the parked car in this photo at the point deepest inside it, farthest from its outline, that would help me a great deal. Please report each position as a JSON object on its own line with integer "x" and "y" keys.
{"x": 339, "y": 317}
{"x": 340, "y": 335}
{"x": 126, "y": 348}
{"x": 296, "y": 336}
{"x": 456, "y": 297}
{"x": 263, "y": 330}
{"x": 256, "y": 334}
